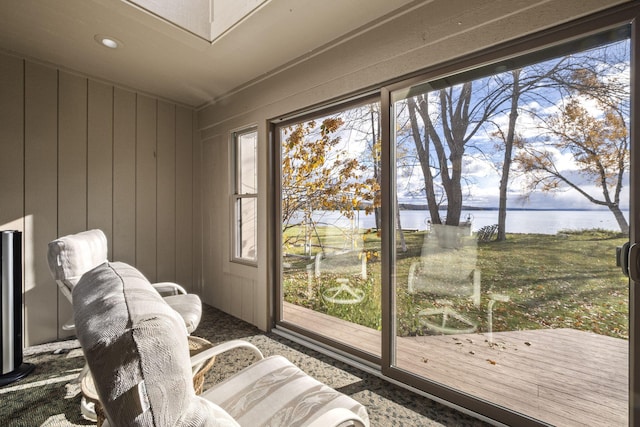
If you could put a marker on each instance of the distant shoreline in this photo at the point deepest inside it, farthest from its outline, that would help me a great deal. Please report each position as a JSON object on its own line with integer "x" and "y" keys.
{"x": 519, "y": 220}
{"x": 412, "y": 207}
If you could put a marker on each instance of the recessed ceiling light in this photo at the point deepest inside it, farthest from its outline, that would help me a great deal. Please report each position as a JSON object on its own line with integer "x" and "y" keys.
{"x": 107, "y": 41}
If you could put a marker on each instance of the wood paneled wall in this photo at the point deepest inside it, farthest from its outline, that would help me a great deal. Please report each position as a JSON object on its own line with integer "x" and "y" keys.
{"x": 231, "y": 287}
{"x": 77, "y": 154}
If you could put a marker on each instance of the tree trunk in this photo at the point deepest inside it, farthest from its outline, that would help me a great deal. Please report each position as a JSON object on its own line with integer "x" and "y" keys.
{"x": 508, "y": 150}
{"x": 622, "y": 221}
{"x": 422, "y": 149}
{"x": 455, "y": 123}
{"x": 453, "y": 188}
{"x": 403, "y": 243}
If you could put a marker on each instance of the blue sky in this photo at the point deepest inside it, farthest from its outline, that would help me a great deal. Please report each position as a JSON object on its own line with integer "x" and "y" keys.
{"x": 482, "y": 160}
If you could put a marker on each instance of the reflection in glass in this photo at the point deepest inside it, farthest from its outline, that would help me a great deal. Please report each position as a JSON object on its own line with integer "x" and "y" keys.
{"x": 492, "y": 298}
{"x": 330, "y": 187}
{"x": 248, "y": 232}
{"x": 433, "y": 276}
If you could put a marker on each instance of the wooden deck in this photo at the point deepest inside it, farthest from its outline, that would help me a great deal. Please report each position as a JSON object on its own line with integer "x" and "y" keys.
{"x": 563, "y": 377}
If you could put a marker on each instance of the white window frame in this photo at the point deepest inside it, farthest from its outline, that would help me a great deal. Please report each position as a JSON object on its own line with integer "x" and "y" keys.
{"x": 239, "y": 196}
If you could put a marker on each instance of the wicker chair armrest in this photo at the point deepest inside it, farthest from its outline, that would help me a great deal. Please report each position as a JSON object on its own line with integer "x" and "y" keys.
{"x": 207, "y": 354}
{"x": 169, "y": 288}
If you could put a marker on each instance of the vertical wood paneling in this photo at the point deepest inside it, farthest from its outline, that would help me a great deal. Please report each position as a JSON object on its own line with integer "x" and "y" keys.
{"x": 12, "y": 146}
{"x": 72, "y": 167}
{"x": 248, "y": 293}
{"x": 235, "y": 286}
{"x": 184, "y": 198}
{"x": 146, "y": 187}
{"x": 166, "y": 250}
{"x": 81, "y": 154}
{"x": 41, "y": 114}
{"x": 124, "y": 176}
{"x": 225, "y": 293}
{"x": 100, "y": 159}
{"x": 11, "y": 143}
{"x": 197, "y": 215}
{"x": 211, "y": 265}
{"x": 232, "y": 288}
{"x": 72, "y": 154}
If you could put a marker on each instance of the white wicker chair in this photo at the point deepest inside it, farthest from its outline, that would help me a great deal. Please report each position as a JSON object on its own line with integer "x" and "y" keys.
{"x": 117, "y": 313}
{"x": 73, "y": 255}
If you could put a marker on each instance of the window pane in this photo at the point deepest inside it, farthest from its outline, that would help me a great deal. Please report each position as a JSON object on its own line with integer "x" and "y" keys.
{"x": 247, "y": 170}
{"x": 330, "y": 194}
{"x": 513, "y": 195}
{"x": 246, "y": 211}
{"x": 245, "y": 216}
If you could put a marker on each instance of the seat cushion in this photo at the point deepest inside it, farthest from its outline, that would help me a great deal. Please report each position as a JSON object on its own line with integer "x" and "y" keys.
{"x": 189, "y": 307}
{"x": 137, "y": 350}
{"x": 275, "y": 392}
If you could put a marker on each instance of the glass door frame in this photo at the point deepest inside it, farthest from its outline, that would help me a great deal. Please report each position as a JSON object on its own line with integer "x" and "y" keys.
{"x": 550, "y": 39}
{"x": 626, "y": 14}
{"x": 362, "y": 357}
{"x": 634, "y": 223}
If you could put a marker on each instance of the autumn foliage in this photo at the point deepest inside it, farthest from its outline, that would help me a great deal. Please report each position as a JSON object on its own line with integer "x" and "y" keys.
{"x": 320, "y": 173}
{"x": 597, "y": 139}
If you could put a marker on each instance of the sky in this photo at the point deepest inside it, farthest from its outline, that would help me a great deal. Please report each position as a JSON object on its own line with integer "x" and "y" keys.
{"x": 482, "y": 160}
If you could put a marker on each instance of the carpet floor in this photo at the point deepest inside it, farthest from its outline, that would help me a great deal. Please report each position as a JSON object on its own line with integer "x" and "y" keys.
{"x": 49, "y": 396}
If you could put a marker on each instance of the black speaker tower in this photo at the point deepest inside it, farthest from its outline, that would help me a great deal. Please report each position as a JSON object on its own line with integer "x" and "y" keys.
{"x": 11, "y": 366}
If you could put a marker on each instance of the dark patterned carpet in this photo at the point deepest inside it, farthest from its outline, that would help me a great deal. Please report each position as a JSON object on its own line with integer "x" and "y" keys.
{"x": 49, "y": 397}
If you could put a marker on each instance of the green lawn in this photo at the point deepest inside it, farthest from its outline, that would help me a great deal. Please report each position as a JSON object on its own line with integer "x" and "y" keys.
{"x": 567, "y": 280}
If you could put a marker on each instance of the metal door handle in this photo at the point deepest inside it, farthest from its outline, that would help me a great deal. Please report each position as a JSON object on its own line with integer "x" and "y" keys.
{"x": 632, "y": 260}
{"x": 622, "y": 258}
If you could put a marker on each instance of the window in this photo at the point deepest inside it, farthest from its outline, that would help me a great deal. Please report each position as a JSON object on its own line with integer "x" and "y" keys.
{"x": 245, "y": 195}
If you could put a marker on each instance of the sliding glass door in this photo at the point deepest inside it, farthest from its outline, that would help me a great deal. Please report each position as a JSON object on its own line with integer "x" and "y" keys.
{"x": 330, "y": 226}
{"x": 458, "y": 230}
{"x": 513, "y": 194}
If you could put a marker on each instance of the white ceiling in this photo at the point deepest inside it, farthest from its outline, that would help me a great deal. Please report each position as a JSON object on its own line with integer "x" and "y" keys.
{"x": 164, "y": 59}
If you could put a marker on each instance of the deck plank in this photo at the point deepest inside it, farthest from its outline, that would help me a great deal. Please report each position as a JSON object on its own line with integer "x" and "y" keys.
{"x": 561, "y": 376}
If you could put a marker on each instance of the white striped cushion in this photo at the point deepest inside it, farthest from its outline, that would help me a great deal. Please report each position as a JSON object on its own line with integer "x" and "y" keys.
{"x": 274, "y": 392}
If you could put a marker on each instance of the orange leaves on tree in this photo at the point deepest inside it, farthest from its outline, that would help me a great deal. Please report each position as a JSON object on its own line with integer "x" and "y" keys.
{"x": 591, "y": 126}
{"x": 318, "y": 171}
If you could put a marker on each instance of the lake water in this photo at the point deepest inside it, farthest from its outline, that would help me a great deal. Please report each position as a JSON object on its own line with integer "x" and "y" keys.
{"x": 518, "y": 221}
